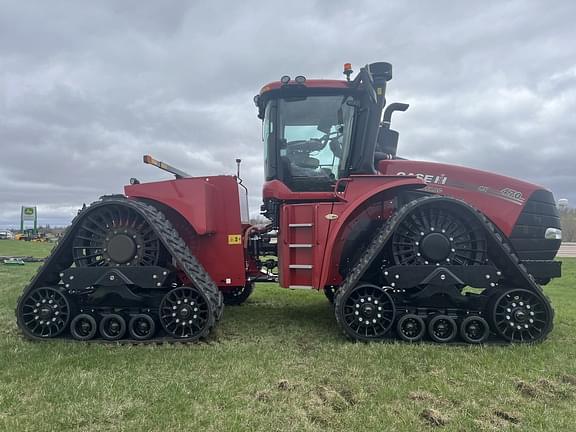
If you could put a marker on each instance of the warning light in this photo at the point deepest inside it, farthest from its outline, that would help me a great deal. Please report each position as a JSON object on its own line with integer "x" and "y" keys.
{"x": 348, "y": 70}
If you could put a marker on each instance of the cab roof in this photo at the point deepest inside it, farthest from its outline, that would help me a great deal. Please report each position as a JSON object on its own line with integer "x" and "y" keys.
{"x": 313, "y": 83}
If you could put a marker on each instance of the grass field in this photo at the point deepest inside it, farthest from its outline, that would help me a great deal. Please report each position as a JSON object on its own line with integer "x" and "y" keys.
{"x": 278, "y": 363}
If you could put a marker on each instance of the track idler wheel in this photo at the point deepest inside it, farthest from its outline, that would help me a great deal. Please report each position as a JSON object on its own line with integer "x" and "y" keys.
{"x": 365, "y": 312}
{"x": 43, "y": 313}
{"x": 239, "y": 295}
{"x": 186, "y": 313}
{"x": 442, "y": 328}
{"x": 83, "y": 327}
{"x": 474, "y": 330}
{"x": 112, "y": 327}
{"x": 141, "y": 327}
{"x": 520, "y": 315}
{"x": 411, "y": 328}
{"x": 439, "y": 234}
{"x": 115, "y": 235}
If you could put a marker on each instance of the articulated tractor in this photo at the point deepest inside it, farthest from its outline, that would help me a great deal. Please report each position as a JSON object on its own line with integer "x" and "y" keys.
{"x": 403, "y": 249}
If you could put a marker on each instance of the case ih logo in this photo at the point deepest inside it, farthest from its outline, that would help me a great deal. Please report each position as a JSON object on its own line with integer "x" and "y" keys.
{"x": 428, "y": 178}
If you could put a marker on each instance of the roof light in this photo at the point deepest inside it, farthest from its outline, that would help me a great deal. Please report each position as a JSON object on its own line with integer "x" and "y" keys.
{"x": 348, "y": 70}
{"x": 285, "y": 79}
{"x": 300, "y": 79}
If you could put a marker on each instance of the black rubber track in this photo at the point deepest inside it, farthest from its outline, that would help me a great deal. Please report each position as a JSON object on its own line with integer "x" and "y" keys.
{"x": 60, "y": 259}
{"x": 500, "y": 252}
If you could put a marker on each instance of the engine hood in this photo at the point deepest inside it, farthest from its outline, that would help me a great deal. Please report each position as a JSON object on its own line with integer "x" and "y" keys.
{"x": 499, "y": 197}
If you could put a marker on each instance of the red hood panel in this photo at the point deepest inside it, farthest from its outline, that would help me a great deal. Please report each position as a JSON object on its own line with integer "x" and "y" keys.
{"x": 499, "y": 197}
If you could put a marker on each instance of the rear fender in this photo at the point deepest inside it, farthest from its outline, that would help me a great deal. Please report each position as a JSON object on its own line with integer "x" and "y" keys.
{"x": 206, "y": 213}
{"x": 193, "y": 198}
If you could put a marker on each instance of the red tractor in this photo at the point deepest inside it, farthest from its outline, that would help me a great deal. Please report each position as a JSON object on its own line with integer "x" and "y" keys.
{"x": 405, "y": 249}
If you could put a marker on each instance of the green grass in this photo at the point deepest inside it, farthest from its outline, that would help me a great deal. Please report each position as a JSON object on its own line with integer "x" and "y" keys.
{"x": 279, "y": 363}
{"x": 24, "y": 248}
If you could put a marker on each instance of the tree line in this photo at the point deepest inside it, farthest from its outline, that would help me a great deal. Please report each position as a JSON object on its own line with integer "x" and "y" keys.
{"x": 568, "y": 221}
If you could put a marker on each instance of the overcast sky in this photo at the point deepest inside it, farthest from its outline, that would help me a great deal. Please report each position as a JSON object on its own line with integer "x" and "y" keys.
{"x": 88, "y": 87}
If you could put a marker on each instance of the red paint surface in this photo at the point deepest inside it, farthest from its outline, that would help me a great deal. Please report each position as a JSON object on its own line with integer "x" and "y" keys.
{"x": 480, "y": 189}
{"x": 326, "y": 233}
{"x": 206, "y": 211}
{"x": 210, "y": 206}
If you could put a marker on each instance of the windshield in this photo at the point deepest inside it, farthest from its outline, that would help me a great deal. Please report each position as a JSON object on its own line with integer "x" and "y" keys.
{"x": 310, "y": 137}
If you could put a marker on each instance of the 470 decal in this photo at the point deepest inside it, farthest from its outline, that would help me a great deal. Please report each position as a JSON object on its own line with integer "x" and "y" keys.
{"x": 511, "y": 193}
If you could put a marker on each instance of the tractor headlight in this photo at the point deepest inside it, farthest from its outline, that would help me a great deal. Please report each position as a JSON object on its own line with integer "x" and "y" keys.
{"x": 553, "y": 234}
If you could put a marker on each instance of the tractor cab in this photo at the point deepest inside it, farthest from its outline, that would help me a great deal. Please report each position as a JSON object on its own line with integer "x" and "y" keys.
{"x": 318, "y": 131}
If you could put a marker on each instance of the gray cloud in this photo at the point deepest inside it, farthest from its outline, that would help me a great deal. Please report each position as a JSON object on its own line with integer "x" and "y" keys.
{"x": 86, "y": 88}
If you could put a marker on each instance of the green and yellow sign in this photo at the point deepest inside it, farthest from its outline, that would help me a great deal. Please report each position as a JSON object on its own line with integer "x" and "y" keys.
{"x": 28, "y": 214}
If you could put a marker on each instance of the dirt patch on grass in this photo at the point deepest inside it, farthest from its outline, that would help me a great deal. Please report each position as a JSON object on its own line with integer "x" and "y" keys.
{"x": 332, "y": 398}
{"x": 543, "y": 388}
{"x": 422, "y": 396}
{"x": 263, "y": 395}
{"x": 324, "y": 402}
{"x": 433, "y": 417}
{"x": 285, "y": 385}
{"x": 507, "y": 416}
{"x": 568, "y": 379}
{"x": 348, "y": 396}
{"x": 498, "y": 420}
{"x": 526, "y": 389}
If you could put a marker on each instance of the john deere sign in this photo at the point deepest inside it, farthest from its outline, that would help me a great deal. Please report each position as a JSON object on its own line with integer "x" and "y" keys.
{"x": 28, "y": 214}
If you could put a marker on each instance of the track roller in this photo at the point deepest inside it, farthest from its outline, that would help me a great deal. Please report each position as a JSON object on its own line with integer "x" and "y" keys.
{"x": 112, "y": 327}
{"x": 442, "y": 328}
{"x": 365, "y": 312}
{"x": 141, "y": 327}
{"x": 186, "y": 313}
{"x": 83, "y": 327}
{"x": 520, "y": 315}
{"x": 474, "y": 329}
{"x": 411, "y": 328}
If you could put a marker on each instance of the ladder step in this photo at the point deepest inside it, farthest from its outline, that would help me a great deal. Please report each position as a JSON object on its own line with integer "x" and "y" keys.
{"x": 300, "y": 225}
{"x": 297, "y": 245}
{"x": 300, "y": 266}
{"x": 300, "y": 286}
